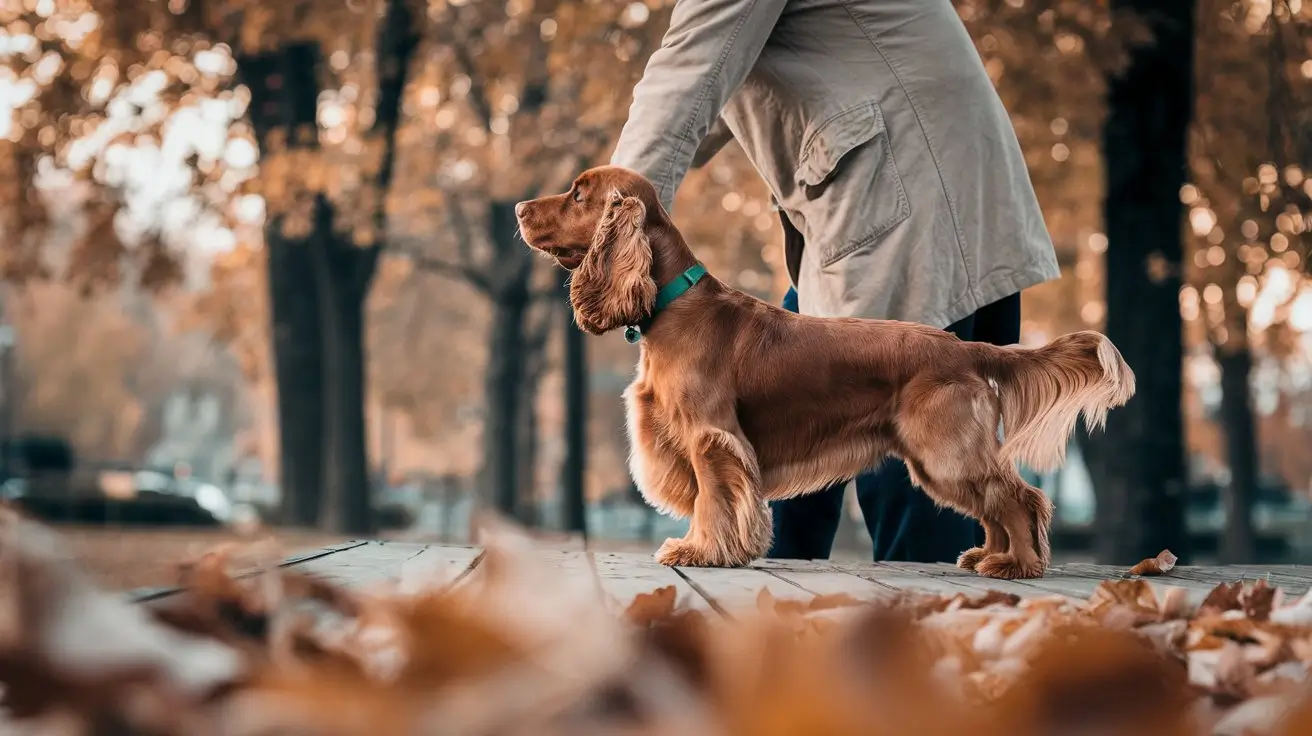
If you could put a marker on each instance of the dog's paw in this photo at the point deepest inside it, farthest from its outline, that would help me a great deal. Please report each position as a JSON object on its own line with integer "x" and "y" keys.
{"x": 681, "y": 553}
{"x": 969, "y": 559}
{"x": 1004, "y": 566}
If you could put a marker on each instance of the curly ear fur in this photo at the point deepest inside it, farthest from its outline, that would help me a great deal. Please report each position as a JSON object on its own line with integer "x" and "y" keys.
{"x": 613, "y": 286}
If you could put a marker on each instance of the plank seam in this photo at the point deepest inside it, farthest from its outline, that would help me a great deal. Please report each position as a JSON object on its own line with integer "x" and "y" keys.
{"x": 979, "y": 585}
{"x": 841, "y": 569}
{"x": 793, "y": 583}
{"x": 469, "y": 570}
{"x": 715, "y": 605}
{"x": 146, "y": 595}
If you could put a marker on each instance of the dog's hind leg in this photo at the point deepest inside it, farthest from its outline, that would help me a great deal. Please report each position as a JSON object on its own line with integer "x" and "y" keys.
{"x": 1026, "y": 514}
{"x": 950, "y": 441}
{"x": 995, "y": 541}
{"x": 730, "y": 520}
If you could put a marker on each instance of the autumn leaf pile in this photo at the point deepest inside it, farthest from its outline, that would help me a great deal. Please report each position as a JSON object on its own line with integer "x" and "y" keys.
{"x": 518, "y": 647}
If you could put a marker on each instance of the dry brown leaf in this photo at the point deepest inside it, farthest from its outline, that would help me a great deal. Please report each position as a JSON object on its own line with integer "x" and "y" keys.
{"x": 1133, "y": 601}
{"x": 1224, "y": 597}
{"x": 1299, "y": 612}
{"x": 1163, "y": 563}
{"x": 1258, "y": 600}
{"x": 831, "y": 601}
{"x": 647, "y": 608}
{"x": 516, "y": 650}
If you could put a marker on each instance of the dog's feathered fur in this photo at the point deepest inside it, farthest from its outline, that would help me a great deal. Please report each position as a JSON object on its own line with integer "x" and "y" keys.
{"x": 738, "y": 402}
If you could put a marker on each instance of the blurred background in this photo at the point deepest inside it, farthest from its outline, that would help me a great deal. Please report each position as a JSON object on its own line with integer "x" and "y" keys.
{"x": 260, "y": 265}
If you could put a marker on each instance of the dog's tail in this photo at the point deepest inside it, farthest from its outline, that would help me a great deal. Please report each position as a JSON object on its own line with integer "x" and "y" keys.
{"x": 1044, "y": 390}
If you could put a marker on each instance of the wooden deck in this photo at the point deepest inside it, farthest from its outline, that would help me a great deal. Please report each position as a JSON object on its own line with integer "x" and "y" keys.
{"x": 625, "y": 575}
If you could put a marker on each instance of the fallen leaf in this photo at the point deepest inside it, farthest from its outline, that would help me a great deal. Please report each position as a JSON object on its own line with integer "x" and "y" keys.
{"x": 1224, "y": 597}
{"x": 648, "y": 608}
{"x": 1258, "y": 600}
{"x": 1163, "y": 563}
{"x": 1299, "y": 612}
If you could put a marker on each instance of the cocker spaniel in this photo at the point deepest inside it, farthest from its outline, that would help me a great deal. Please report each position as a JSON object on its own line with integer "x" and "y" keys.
{"x": 738, "y": 402}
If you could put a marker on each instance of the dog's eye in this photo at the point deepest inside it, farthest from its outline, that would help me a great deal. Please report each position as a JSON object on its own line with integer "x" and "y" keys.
{"x": 578, "y": 195}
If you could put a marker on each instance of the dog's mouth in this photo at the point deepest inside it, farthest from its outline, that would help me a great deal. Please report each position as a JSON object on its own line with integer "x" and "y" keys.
{"x": 566, "y": 257}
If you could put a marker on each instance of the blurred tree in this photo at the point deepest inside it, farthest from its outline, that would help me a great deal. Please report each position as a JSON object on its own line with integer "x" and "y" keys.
{"x": 327, "y": 163}
{"x": 1049, "y": 63}
{"x": 516, "y": 99}
{"x": 1248, "y": 205}
{"x": 1137, "y": 465}
{"x": 109, "y": 85}
{"x": 573, "y": 475}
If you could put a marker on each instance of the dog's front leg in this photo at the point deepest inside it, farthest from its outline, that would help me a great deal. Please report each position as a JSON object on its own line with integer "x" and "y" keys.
{"x": 730, "y": 523}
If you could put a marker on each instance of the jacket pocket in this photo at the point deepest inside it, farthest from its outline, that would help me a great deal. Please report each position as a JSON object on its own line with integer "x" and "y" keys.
{"x": 848, "y": 187}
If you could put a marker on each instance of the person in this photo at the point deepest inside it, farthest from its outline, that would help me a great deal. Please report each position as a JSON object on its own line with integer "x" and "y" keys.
{"x": 900, "y": 183}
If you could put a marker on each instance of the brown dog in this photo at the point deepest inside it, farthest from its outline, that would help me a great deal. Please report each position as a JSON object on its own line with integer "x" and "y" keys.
{"x": 738, "y": 402}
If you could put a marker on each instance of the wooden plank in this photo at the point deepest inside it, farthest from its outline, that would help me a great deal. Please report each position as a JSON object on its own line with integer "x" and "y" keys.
{"x": 624, "y": 575}
{"x": 825, "y": 578}
{"x": 367, "y": 564}
{"x": 730, "y": 589}
{"x": 1180, "y": 577}
{"x": 1291, "y": 581}
{"x": 146, "y": 595}
{"x": 949, "y": 580}
{"x": 907, "y": 577}
{"x": 1048, "y": 585}
{"x": 1052, "y": 583}
{"x": 437, "y": 567}
{"x": 973, "y": 584}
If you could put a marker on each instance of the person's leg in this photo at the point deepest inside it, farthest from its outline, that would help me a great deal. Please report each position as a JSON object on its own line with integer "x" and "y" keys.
{"x": 904, "y": 523}
{"x": 998, "y": 323}
{"x": 804, "y": 527}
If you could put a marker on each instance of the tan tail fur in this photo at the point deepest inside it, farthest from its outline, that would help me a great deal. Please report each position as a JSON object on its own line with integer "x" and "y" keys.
{"x": 1044, "y": 390}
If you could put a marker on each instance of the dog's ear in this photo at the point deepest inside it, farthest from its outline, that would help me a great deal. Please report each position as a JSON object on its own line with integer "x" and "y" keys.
{"x": 613, "y": 286}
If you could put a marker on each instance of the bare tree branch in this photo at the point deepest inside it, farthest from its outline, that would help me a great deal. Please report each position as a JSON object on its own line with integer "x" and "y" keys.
{"x": 432, "y": 264}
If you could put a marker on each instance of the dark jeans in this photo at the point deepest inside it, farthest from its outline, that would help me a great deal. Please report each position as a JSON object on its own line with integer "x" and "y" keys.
{"x": 904, "y": 524}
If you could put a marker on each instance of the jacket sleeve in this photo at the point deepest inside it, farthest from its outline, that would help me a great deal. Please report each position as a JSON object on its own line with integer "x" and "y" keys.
{"x": 710, "y": 47}
{"x": 716, "y": 139}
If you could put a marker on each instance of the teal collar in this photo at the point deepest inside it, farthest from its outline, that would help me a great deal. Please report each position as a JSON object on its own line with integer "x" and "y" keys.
{"x": 668, "y": 293}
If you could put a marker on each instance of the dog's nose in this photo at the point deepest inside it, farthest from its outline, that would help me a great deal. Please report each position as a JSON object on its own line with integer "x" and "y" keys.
{"x": 519, "y": 209}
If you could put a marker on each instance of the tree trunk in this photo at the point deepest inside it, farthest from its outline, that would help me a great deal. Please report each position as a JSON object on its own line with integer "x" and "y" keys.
{"x": 1238, "y": 542}
{"x": 507, "y": 363}
{"x": 284, "y": 91}
{"x": 526, "y": 504}
{"x": 574, "y": 469}
{"x": 505, "y": 374}
{"x": 344, "y": 272}
{"x": 1138, "y": 465}
{"x": 297, "y": 355}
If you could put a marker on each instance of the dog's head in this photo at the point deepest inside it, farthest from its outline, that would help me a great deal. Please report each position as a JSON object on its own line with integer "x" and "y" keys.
{"x": 598, "y": 230}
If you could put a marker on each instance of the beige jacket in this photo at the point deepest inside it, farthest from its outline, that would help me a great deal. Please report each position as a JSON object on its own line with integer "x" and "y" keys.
{"x": 879, "y": 134}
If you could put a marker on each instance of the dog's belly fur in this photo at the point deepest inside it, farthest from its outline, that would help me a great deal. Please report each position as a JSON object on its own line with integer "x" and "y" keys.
{"x": 801, "y": 450}
{"x": 829, "y": 463}
{"x": 790, "y": 465}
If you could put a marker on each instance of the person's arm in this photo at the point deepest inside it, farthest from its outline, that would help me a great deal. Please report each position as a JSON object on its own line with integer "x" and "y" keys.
{"x": 718, "y": 137}
{"x": 706, "y": 54}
